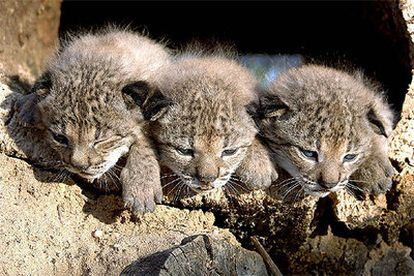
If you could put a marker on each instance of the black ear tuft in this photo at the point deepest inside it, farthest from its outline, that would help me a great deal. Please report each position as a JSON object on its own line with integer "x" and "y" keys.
{"x": 152, "y": 102}
{"x": 27, "y": 106}
{"x": 42, "y": 85}
{"x": 271, "y": 106}
{"x": 376, "y": 123}
{"x": 252, "y": 109}
{"x": 155, "y": 106}
{"x": 138, "y": 91}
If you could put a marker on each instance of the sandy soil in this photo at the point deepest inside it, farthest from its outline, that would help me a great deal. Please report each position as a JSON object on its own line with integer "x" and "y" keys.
{"x": 54, "y": 229}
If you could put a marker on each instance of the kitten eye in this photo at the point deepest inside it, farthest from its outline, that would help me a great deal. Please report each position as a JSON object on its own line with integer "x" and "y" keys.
{"x": 350, "y": 157}
{"x": 313, "y": 155}
{"x": 61, "y": 139}
{"x": 229, "y": 152}
{"x": 185, "y": 152}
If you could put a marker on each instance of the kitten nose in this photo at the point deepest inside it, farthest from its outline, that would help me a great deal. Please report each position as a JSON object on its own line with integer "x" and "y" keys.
{"x": 79, "y": 160}
{"x": 207, "y": 178}
{"x": 81, "y": 167}
{"x": 327, "y": 185}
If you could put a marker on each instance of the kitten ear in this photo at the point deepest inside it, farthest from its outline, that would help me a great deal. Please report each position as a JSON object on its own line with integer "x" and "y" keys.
{"x": 272, "y": 106}
{"x": 152, "y": 102}
{"x": 27, "y": 106}
{"x": 380, "y": 119}
{"x": 43, "y": 85}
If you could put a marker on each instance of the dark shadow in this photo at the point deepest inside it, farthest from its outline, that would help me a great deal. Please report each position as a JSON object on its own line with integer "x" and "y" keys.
{"x": 325, "y": 217}
{"x": 370, "y": 35}
{"x": 407, "y": 236}
{"x": 105, "y": 208}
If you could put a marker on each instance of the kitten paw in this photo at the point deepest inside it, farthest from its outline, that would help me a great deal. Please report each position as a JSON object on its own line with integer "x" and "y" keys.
{"x": 376, "y": 178}
{"x": 261, "y": 178}
{"x": 264, "y": 178}
{"x": 382, "y": 186}
{"x": 383, "y": 180}
{"x": 257, "y": 170}
{"x": 143, "y": 200}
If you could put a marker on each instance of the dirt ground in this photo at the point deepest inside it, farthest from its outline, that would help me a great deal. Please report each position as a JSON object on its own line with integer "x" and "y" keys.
{"x": 54, "y": 229}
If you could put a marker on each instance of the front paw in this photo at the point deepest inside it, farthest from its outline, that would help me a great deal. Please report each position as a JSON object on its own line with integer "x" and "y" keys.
{"x": 383, "y": 181}
{"x": 375, "y": 178}
{"x": 261, "y": 178}
{"x": 141, "y": 197}
{"x": 265, "y": 178}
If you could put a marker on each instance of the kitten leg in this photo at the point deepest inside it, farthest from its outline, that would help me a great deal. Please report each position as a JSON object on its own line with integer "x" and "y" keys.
{"x": 257, "y": 169}
{"x": 375, "y": 174}
{"x": 141, "y": 184}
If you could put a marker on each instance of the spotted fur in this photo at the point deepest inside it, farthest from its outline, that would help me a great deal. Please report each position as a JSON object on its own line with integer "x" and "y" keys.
{"x": 336, "y": 115}
{"x": 86, "y": 118}
{"x": 206, "y": 135}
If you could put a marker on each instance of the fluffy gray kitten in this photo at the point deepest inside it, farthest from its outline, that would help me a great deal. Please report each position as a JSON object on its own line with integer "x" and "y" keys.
{"x": 86, "y": 118}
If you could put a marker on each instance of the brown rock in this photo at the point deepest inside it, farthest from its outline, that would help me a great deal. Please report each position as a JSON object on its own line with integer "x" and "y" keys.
{"x": 28, "y": 35}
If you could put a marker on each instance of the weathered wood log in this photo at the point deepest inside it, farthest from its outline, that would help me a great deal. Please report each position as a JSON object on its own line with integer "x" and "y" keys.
{"x": 200, "y": 255}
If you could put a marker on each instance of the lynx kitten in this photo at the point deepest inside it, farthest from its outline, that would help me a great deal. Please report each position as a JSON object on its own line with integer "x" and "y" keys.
{"x": 88, "y": 121}
{"x": 201, "y": 126}
{"x": 328, "y": 129}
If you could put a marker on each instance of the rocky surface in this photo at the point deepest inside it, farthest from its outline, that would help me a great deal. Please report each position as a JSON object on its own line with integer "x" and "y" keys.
{"x": 349, "y": 256}
{"x": 28, "y": 35}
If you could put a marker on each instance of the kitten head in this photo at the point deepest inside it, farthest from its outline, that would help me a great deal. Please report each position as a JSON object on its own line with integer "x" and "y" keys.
{"x": 202, "y": 129}
{"x": 320, "y": 124}
{"x": 85, "y": 118}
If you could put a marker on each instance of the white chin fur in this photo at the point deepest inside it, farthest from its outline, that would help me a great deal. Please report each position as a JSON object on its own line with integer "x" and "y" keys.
{"x": 219, "y": 183}
{"x": 111, "y": 160}
{"x": 195, "y": 184}
{"x": 114, "y": 156}
{"x": 317, "y": 194}
{"x": 335, "y": 189}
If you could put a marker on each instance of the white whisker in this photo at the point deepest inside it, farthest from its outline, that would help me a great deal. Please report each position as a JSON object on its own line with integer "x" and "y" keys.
{"x": 171, "y": 182}
{"x": 174, "y": 188}
{"x": 238, "y": 185}
{"x": 170, "y": 175}
{"x": 290, "y": 190}
{"x": 359, "y": 181}
{"x": 354, "y": 187}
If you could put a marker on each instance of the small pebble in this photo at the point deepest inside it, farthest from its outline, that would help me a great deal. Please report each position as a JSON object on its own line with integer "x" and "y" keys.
{"x": 97, "y": 234}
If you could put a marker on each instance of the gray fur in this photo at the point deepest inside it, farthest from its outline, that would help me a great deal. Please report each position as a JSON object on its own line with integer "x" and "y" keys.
{"x": 88, "y": 121}
{"x": 207, "y": 115}
{"x": 334, "y": 114}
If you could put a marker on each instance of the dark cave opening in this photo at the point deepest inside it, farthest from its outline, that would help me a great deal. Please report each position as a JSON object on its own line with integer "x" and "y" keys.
{"x": 364, "y": 35}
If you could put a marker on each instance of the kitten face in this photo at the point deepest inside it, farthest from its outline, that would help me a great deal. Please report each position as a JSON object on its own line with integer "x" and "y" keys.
{"x": 86, "y": 121}
{"x": 320, "y": 125}
{"x": 199, "y": 119}
{"x": 202, "y": 144}
{"x": 319, "y": 156}
{"x": 87, "y": 150}
{"x": 319, "y": 162}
